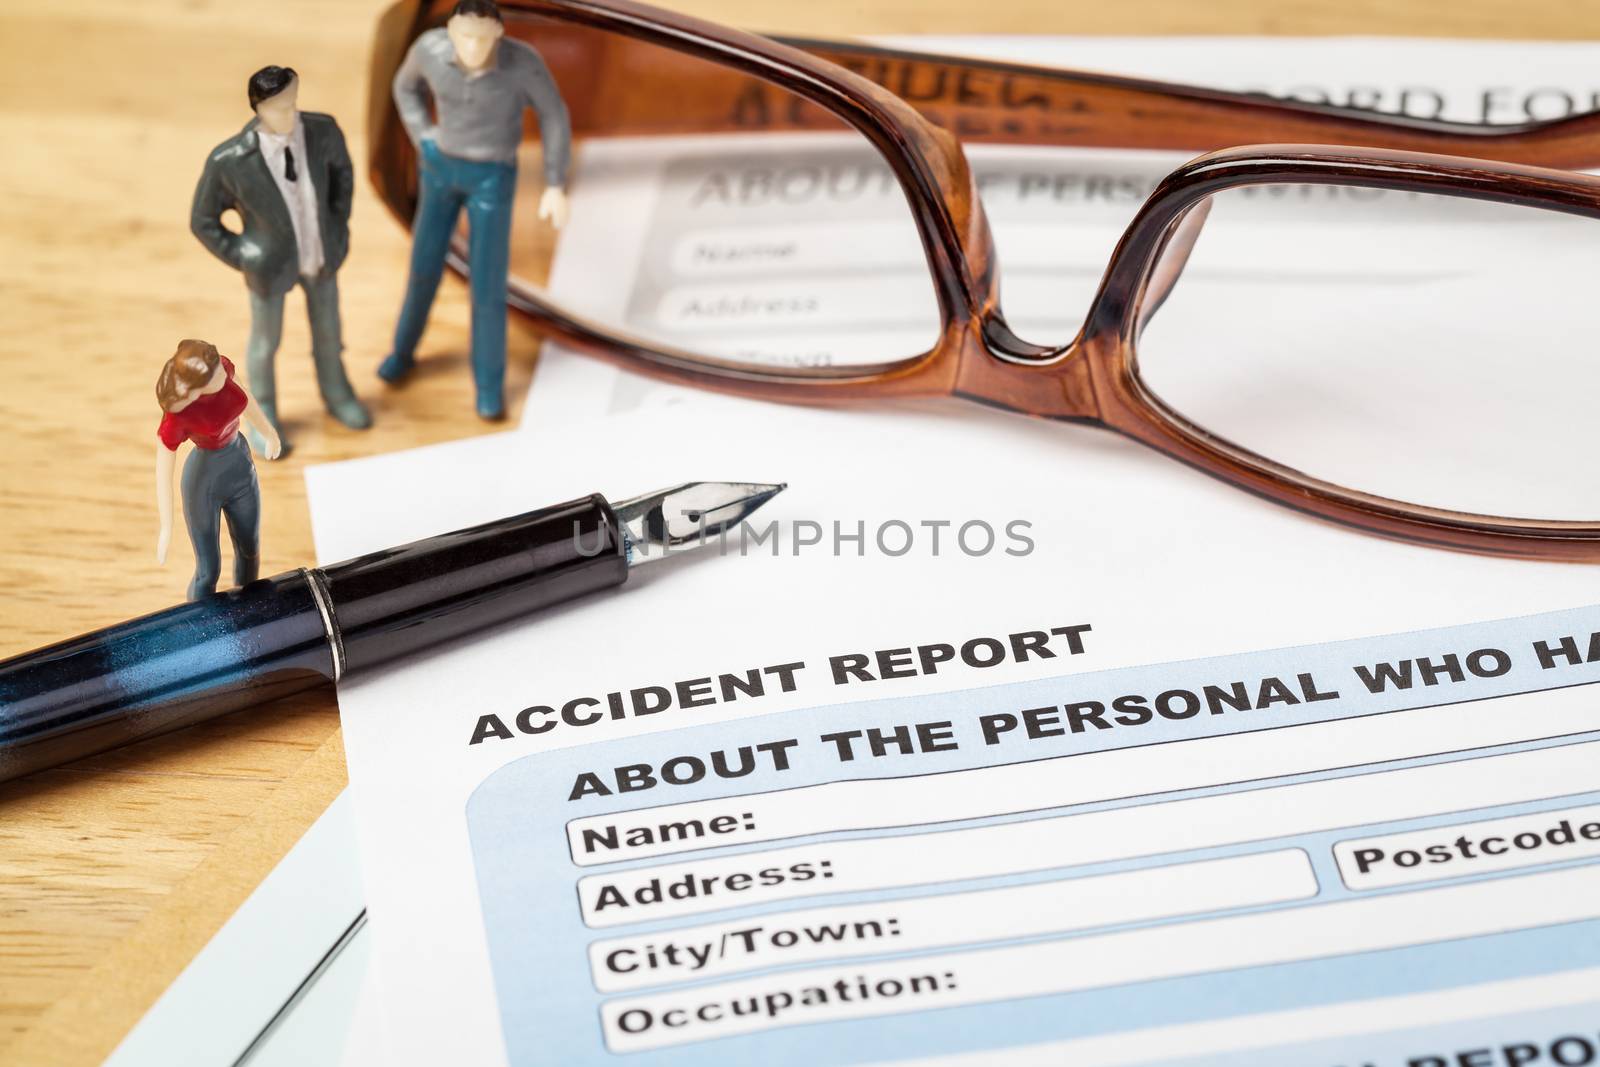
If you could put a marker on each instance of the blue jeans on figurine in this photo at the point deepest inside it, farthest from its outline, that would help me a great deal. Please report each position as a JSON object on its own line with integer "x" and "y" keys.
{"x": 221, "y": 484}
{"x": 487, "y": 190}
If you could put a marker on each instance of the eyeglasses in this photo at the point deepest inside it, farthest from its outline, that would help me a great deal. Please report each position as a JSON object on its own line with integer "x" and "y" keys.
{"x": 1451, "y": 405}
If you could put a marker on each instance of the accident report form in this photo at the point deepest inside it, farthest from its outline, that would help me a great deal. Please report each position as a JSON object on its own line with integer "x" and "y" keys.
{"x": 1132, "y": 777}
{"x": 678, "y": 839}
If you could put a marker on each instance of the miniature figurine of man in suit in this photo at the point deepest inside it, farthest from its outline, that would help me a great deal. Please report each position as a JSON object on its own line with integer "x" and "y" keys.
{"x": 480, "y": 84}
{"x": 288, "y": 175}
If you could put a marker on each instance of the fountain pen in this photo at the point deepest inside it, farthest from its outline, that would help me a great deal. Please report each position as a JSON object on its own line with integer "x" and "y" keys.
{"x": 306, "y": 627}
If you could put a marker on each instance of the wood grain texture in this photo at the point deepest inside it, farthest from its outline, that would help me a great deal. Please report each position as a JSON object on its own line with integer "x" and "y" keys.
{"x": 107, "y": 109}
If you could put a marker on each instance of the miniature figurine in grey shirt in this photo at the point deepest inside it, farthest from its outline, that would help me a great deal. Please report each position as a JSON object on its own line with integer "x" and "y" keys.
{"x": 479, "y": 82}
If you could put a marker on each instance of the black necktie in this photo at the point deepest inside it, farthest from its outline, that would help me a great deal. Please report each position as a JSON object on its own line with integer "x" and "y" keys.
{"x": 288, "y": 164}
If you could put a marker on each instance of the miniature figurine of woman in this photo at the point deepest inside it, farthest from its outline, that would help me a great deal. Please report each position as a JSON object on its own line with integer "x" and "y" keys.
{"x": 203, "y": 402}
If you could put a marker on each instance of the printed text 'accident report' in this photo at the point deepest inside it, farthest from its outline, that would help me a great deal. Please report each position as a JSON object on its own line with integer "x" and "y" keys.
{"x": 1128, "y": 779}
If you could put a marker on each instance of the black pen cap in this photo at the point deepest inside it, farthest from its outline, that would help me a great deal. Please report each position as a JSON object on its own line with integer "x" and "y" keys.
{"x": 397, "y": 602}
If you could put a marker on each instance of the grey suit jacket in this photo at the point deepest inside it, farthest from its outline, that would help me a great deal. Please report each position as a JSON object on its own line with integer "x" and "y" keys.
{"x": 236, "y": 176}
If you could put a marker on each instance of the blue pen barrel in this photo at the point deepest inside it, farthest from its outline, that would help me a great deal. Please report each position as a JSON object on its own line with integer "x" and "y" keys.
{"x": 271, "y": 638}
{"x": 160, "y": 673}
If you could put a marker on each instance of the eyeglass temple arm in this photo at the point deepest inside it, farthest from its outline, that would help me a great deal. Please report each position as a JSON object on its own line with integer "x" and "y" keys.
{"x": 988, "y": 102}
{"x": 619, "y": 86}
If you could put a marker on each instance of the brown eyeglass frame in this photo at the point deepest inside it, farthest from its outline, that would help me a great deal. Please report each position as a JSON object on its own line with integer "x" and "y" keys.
{"x": 1094, "y": 378}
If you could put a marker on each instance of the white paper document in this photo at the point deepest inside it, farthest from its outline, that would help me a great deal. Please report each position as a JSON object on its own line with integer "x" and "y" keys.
{"x": 1010, "y": 742}
{"x": 902, "y": 802}
{"x": 277, "y": 985}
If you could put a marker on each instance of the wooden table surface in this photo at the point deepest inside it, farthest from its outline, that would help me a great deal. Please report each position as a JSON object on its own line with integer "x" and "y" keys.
{"x": 107, "y": 109}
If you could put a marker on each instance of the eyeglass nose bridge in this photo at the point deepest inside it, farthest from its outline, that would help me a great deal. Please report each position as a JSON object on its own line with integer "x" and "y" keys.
{"x": 1083, "y": 380}
{"x": 999, "y": 369}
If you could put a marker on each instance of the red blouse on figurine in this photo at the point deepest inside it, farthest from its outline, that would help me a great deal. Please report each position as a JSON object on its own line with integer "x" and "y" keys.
{"x": 210, "y": 421}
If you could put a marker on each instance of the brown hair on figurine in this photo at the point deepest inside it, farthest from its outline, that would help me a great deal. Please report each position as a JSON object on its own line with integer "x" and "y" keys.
{"x": 190, "y": 367}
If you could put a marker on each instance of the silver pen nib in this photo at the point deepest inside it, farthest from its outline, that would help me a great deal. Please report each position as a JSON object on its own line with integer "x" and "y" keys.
{"x": 687, "y": 516}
